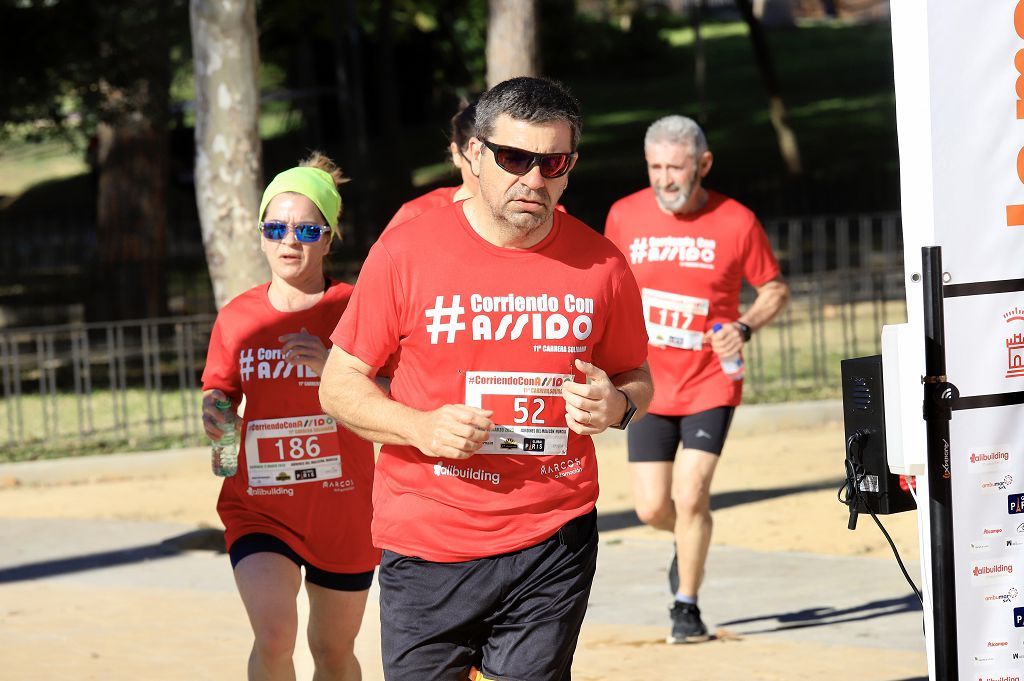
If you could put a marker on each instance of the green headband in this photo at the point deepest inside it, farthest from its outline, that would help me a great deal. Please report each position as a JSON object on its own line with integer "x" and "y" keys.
{"x": 315, "y": 184}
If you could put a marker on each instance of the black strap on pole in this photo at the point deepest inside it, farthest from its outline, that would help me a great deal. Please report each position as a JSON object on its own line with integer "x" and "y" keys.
{"x": 938, "y": 397}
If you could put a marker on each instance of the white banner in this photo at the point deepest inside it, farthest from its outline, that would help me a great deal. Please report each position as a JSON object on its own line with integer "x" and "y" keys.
{"x": 960, "y": 115}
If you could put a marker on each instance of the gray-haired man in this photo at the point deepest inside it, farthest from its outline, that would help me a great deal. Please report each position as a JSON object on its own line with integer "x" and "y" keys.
{"x": 690, "y": 249}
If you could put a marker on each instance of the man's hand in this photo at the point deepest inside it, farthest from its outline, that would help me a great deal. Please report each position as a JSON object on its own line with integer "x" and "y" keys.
{"x": 726, "y": 341}
{"x": 213, "y": 418}
{"x": 454, "y": 431}
{"x": 591, "y": 407}
{"x": 306, "y": 349}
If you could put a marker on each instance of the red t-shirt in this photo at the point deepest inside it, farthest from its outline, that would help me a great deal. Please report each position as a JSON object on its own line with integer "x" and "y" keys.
{"x": 497, "y": 328}
{"x": 443, "y": 196}
{"x": 690, "y": 270}
{"x": 301, "y": 477}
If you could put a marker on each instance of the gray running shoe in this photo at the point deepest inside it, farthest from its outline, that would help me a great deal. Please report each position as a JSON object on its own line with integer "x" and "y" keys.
{"x": 687, "y": 626}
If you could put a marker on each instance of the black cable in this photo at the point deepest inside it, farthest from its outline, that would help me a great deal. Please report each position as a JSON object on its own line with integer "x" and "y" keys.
{"x": 850, "y": 495}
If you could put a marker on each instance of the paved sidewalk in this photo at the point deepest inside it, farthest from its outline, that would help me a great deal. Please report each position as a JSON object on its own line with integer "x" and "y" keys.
{"x": 120, "y": 567}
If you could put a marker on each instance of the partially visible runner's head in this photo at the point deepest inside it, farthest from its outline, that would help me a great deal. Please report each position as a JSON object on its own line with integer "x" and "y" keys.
{"x": 463, "y": 129}
{"x": 300, "y": 216}
{"x": 527, "y": 132}
{"x": 678, "y": 159}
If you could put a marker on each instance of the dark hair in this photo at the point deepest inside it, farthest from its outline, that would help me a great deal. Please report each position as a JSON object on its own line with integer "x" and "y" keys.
{"x": 464, "y": 124}
{"x": 534, "y": 100}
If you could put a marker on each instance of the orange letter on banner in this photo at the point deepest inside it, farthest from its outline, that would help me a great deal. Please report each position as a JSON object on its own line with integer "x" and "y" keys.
{"x": 1018, "y": 18}
{"x": 1018, "y": 62}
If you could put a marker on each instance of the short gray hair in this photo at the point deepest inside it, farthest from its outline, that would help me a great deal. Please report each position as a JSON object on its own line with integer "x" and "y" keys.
{"x": 677, "y": 130}
{"x": 534, "y": 100}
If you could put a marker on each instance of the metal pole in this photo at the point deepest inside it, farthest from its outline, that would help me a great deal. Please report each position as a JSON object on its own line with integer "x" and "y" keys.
{"x": 938, "y": 395}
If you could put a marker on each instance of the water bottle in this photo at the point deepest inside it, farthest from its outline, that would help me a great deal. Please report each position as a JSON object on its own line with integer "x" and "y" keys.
{"x": 731, "y": 365}
{"x": 224, "y": 460}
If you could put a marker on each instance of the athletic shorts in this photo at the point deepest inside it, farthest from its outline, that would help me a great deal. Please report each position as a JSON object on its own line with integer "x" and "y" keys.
{"x": 656, "y": 437}
{"x": 515, "y": 616}
{"x": 257, "y": 542}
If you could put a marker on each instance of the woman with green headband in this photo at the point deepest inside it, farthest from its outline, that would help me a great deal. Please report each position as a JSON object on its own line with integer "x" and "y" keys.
{"x": 301, "y": 495}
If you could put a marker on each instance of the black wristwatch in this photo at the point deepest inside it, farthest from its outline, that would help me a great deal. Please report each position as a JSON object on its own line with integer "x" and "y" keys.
{"x": 744, "y": 330}
{"x": 630, "y": 410}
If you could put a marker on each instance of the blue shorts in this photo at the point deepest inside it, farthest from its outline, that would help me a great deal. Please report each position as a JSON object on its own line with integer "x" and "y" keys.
{"x": 257, "y": 542}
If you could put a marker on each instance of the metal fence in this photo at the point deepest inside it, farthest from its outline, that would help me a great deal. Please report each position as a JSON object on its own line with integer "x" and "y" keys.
{"x": 136, "y": 384}
{"x": 95, "y": 386}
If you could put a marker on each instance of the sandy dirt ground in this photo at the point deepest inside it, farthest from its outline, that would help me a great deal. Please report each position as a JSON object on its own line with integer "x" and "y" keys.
{"x": 784, "y": 484}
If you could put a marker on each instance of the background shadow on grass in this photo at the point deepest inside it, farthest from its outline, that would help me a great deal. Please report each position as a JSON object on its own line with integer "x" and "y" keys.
{"x": 620, "y": 520}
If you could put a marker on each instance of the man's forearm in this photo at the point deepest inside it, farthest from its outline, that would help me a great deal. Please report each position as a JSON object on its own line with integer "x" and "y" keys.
{"x": 362, "y": 407}
{"x": 771, "y": 300}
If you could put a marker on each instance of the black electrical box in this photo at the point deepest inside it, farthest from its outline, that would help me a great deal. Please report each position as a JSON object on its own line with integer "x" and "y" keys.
{"x": 864, "y": 419}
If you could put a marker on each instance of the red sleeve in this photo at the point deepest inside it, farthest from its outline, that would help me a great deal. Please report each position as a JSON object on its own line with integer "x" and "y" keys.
{"x": 759, "y": 263}
{"x": 374, "y": 309}
{"x": 611, "y": 228}
{"x": 405, "y": 213}
{"x": 221, "y": 370}
{"x": 623, "y": 346}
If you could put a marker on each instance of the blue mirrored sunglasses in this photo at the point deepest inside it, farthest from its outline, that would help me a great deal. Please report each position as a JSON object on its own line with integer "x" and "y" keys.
{"x": 305, "y": 232}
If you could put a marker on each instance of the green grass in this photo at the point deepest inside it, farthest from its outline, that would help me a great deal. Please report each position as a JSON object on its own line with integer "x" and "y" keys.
{"x": 24, "y": 164}
{"x": 74, "y": 434}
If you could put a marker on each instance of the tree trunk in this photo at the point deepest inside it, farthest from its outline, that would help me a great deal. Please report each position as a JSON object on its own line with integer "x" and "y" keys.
{"x": 511, "y": 40}
{"x": 788, "y": 146}
{"x": 228, "y": 153}
{"x": 131, "y": 218}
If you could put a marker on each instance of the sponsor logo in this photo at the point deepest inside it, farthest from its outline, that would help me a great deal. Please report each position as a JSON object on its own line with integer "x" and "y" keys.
{"x": 339, "y": 485}
{"x": 945, "y": 460}
{"x": 997, "y": 644}
{"x": 1015, "y": 503}
{"x": 703, "y": 433}
{"x": 688, "y": 251}
{"x": 305, "y": 474}
{"x": 993, "y": 458}
{"x": 991, "y": 571}
{"x": 563, "y": 468}
{"x": 1018, "y": 617}
{"x": 993, "y": 530}
{"x": 984, "y": 660}
{"x": 997, "y": 484}
{"x": 446, "y": 470}
{"x": 533, "y": 444}
{"x": 1008, "y": 596}
{"x": 1014, "y": 543}
{"x": 269, "y": 491}
{"x": 1014, "y": 345}
{"x": 509, "y": 443}
{"x": 540, "y": 318}
{"x": 283, "y": 476}
{"x": 980, "y": 547}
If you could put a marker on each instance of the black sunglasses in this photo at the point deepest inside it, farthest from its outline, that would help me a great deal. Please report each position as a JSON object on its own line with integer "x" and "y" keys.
{"x": 520, "y": 161}
{"x": 305, "y": 232}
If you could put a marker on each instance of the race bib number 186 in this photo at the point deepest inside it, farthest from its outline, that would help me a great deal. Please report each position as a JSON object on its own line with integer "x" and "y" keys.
{"x": 529, "y": 411}
{"x": 292, "y": 450}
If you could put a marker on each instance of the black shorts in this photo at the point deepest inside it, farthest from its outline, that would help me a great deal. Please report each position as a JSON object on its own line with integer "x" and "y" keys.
{"x": 257, "y": 542}
{"x": 656, "y": 437}
{"x": 514, "y": 616}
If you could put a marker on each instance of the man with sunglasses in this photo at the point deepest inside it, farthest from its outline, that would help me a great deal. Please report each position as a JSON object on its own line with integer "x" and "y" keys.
{"x": 520, "y": 338}
{"x": 690, "y": 248}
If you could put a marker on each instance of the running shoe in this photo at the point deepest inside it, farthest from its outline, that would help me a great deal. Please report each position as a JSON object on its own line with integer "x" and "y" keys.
{"x": 687, "y": 626}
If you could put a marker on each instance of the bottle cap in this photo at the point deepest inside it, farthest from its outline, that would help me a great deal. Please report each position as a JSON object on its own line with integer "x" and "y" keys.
{"x": 716, "y": 328}
{"x": 223, "y": 405}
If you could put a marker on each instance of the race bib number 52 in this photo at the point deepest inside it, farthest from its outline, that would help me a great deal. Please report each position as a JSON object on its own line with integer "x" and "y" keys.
{"x": 529, "y": 411}
{"x": 292, "y": 450}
